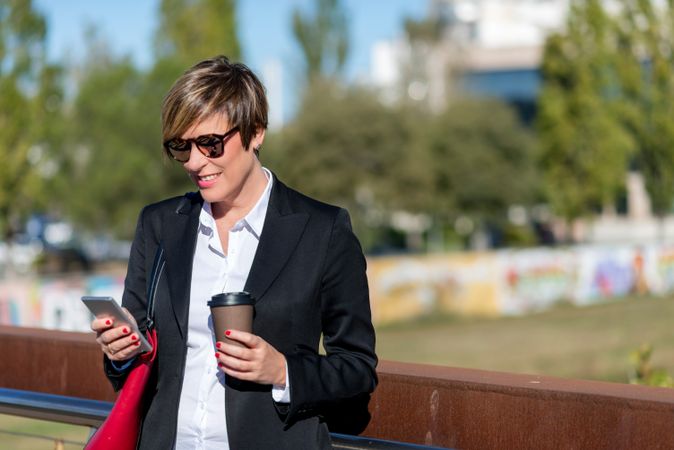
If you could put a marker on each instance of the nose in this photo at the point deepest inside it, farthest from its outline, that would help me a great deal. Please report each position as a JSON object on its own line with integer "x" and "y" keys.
{"x": 196, "y": 160}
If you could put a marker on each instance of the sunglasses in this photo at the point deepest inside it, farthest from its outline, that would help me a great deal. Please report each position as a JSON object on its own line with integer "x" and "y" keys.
{"x": 210, "y": 145}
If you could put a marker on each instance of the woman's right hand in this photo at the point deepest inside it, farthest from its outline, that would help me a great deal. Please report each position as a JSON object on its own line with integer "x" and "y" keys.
{"x": 116, "y": 339}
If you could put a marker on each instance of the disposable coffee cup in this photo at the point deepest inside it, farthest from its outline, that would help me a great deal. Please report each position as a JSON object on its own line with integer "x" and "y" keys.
{"x": 231, "y": 311}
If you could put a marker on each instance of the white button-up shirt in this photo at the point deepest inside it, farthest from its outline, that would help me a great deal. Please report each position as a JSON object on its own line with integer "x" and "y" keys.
{"x": 201, "y": 412}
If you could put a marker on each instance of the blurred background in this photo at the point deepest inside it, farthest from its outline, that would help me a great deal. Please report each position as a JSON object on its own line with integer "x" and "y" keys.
{"x": 508, "y": 164}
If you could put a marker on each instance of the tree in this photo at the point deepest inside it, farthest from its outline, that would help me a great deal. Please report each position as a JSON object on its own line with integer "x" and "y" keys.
{"x": 585, "y": 148}
{"x": 346, "y": 148}
{"x": 336, "y": 148}
{"x": 606, "y": 104}
{"x": 646, "y": 75}
{"x": 323, "y": 38}
{"x": 192, "y": 30}
{"x": 116, "y": 158}
{"x": 116, "y": 155}
{"x": 482, "y": 161}
{"x": 433, "y": 60}
{"x": 30, "y": 106}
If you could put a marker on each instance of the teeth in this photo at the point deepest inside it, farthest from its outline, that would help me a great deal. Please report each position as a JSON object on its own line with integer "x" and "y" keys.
{"x": 208, "y": 177}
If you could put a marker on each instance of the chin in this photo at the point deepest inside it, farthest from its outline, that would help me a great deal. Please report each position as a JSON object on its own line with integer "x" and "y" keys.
{"x": 214, "y": 195}
{"x": 208, "y": 195}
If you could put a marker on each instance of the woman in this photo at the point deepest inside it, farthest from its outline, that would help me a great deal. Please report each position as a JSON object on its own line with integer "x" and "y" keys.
{"x": 242, "y": 230}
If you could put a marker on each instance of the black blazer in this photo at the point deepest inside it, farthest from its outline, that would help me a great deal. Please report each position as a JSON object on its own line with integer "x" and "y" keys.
{"x": 308, "y": 279}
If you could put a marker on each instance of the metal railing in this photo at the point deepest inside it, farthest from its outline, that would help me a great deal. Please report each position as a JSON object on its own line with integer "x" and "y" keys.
{"x": 85, "y": 412}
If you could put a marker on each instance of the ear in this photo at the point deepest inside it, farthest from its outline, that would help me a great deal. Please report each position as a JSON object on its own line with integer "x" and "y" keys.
{"x": 258, "y": 138}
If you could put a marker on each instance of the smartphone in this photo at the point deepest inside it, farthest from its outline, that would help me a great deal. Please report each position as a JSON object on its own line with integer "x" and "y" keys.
{"x": 108, "y": 307}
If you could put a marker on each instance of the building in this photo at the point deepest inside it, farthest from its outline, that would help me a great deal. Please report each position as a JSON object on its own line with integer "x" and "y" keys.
{"x": 488, "y": 47}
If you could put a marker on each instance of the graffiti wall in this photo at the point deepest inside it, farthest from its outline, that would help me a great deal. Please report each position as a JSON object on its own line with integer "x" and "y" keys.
{"x": 408, "y": 287}
{"x": 515, "y": 282}
{"x": 54, "y": 302}
{"x": 508, "y": 282}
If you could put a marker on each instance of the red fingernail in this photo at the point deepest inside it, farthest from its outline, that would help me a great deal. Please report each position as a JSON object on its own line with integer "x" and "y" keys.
{"x": 136, "y": 343}
{"x": 217, "y": 354}
{"x": 108, "y": 322}
{"x": 217, "y": 344}
{"x": 227, "y": 333}
{"x": 125, "y": 330}
{"x": 219, "y": 364}
{"x": 133, "y": 337}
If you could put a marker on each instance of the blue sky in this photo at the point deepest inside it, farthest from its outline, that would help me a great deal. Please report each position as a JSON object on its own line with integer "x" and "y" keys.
{"x": 263, "y": 26}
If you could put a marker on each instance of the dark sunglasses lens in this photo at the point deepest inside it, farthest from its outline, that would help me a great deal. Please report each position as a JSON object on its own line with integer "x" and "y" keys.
{"x": 210, "y": 146}
{"x": 178, "y": 145}
{"x": 179, "y": 149}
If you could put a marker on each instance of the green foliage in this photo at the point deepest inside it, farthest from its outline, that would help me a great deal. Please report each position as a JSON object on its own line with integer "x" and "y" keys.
{"x": 482, "y": 160}
{"x": 647, "y": 78}
{"x": 427, "y": 29}
{"x": 115, "y": 160}
{"x": 585, "y": 148}
{"x": 116, "y": 156}
{"x": 30, "y": 100}
{"x": 642, "y": 371}
{"x": 347, "y": 148}
{"x": 22, "y": 38}
{"x": 323, "y": 38}
{"x": 192, "y": 30}
{"x": 103, "y": 148}
{"x": 606, "y": 105}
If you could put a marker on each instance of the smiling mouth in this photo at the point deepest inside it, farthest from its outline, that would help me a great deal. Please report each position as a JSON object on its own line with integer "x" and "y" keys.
{"x": 208, "y": 177}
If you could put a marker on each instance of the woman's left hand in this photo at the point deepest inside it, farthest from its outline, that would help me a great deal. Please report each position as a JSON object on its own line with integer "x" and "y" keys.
{"x": 258, "y": 361}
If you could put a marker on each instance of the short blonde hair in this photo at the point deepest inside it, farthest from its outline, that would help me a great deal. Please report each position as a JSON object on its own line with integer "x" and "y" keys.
{"x": 215, "y": 85}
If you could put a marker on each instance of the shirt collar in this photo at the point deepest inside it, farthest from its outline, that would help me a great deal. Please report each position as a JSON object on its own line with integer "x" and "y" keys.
{"x": 255, "y": 217}
{"x": 254, "y": 220}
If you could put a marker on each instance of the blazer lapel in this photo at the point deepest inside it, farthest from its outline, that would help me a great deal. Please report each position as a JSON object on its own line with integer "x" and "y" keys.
{"x": 282, "y": 231}
{"x": 179, "y": 243}
{"x": 280, "y": 235}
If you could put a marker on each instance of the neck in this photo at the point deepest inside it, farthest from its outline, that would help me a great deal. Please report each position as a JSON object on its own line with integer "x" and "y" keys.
{"x": 232, "y": 210}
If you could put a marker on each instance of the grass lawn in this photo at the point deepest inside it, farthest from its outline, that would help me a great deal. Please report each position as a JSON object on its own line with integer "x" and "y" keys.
{"x": 18, "y": 433}
{"x": 591, "y": 342}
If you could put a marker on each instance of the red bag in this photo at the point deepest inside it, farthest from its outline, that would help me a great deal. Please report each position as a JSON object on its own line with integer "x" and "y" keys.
{"x": 121, "y": 428}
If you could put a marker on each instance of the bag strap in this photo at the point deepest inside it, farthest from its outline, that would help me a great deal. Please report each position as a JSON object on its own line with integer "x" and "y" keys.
{"x": 157, "y": 269}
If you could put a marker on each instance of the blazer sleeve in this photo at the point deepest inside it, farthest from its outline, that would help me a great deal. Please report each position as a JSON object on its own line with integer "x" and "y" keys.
{"x": 347, "y": 370}
{"x": 134, "y": 296}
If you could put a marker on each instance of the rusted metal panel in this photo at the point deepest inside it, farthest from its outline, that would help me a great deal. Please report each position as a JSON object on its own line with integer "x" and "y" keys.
{"x": 474, "y": 409}
{"x": 55, "y": 362}
{"x": 421, "y": 404}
